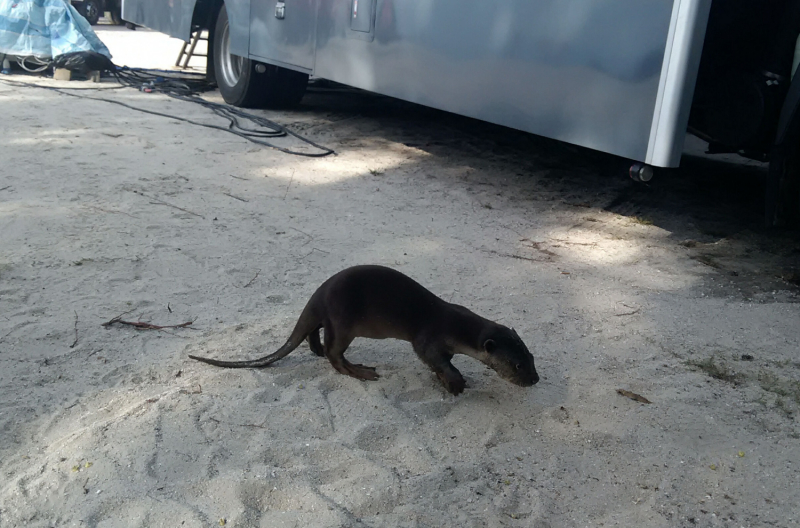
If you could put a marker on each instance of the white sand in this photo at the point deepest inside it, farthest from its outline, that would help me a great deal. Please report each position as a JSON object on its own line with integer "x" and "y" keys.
{"x": 123, "y": 430}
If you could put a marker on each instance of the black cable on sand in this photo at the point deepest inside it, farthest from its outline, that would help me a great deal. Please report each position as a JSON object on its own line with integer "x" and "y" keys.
{"x": 186, "y": 87}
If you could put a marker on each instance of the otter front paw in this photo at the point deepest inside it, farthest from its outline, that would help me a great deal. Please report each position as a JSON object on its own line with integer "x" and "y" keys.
{"x": 453, "y": 382}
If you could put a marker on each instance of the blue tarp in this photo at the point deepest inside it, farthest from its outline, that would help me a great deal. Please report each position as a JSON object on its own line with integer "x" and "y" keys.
{"x": 45, "y": 29}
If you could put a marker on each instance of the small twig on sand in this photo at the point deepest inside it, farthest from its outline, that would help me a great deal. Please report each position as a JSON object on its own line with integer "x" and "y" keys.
{"x": 570, "y": 242}
{"x": 143, "y": 326}
{"x": 262, "y": 426}
{"x": 251, "y": 280}
{"x": 229, "y": 424}
{"x": 108, "y": 323}
{"x": 235, "y": 197}
{"x": 313, "y": 250}
{"x": 635, "y": 310}
{"x": 509, "y": 255}
{"x": 147, "y": 326}
{"x": 289, "y": 186}
{"x": 300, "y": 231}
{"x": 76, "y": 332}
{"x": 6, "y": 187}
{"x": 239, "y": 177}
{"x": 310, "y": 238}
{"x": 8, "y": 333}
{"x": 538, "y": 247}
{"x": 159, "y": 201}
{"x": 109, "y": 211}
{"x": 633, "y": 396}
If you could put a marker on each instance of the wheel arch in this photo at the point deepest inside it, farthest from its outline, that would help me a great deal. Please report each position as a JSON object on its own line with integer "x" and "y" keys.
{"x": 205, "y": 13}
{"x": 179, "y": 18}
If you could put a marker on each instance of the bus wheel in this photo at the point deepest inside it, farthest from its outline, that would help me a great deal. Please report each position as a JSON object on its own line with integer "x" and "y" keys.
{"x": 783, "y": 189}
{"x": 91, "y": 11}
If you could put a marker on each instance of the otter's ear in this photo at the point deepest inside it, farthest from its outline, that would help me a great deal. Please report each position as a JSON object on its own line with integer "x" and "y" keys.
{"x": 489, "y": 346}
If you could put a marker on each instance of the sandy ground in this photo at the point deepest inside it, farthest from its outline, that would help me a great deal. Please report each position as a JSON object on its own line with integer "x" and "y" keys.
{"x": 670, "y": 290}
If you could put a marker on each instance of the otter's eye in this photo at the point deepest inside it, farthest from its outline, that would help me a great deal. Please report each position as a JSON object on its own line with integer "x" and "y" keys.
{"x": 519, "y": 366}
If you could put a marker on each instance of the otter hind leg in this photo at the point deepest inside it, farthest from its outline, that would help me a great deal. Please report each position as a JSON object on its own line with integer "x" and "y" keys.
{"x": 314, "y": 342}
{"x": 335, "y": 347}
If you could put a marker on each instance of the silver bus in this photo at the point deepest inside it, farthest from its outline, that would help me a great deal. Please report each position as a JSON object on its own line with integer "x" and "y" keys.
{"x": 626, "y": 77}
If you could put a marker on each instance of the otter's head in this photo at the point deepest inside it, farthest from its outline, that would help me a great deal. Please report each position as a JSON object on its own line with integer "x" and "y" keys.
{"x": 505, "y": 353}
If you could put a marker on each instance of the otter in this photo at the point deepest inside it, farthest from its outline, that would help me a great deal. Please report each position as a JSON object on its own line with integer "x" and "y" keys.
{"x": 377, "y": 302}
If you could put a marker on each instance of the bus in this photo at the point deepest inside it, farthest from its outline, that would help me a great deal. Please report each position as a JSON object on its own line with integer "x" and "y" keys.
{"x": 626, "y": 77}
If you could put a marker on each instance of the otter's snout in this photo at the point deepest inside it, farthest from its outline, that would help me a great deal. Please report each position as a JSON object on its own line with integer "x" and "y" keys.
{"x": 523, "y": 374}
{"x": 526, "y": 381}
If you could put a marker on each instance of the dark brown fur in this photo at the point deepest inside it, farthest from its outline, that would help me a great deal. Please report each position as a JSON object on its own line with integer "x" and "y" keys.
{"x": 379, "y": 303}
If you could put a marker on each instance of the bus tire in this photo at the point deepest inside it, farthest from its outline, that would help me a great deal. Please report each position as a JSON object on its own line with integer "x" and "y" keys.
{"x": 783, "y": 189}
{"x": 91, "y": 11}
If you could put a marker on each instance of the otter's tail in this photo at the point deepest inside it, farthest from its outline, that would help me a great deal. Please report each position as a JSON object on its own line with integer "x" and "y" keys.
{"x": 283, "y": 351}
{"x": 305, "y": 325}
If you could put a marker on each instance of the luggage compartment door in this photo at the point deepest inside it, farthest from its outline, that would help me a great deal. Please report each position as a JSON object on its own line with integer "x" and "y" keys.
{"x": 282, "y": 32}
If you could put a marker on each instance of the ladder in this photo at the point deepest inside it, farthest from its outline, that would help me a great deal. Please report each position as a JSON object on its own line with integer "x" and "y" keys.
{"x": 196, "y": 37}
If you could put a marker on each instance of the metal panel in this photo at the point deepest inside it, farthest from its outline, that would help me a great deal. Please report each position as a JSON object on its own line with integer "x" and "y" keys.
{"x": 288, "y": 41}
{"x": 583, "y": 71}
{"x": 175, "y": 19}
{"x": 239, "y": 20}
